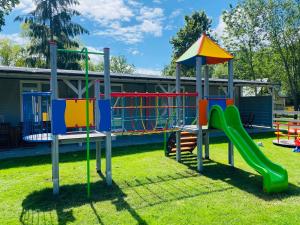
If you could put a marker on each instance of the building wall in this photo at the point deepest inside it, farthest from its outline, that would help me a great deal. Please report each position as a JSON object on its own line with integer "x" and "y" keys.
{"x": 10, "y": 101}
{"x": 260, "y": 106}
{"x": 10, "y": 106}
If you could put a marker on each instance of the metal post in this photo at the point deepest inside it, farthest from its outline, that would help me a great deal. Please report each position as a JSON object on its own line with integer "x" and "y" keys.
{"x": 97, "y": 119}
{"x": 231, "y": 96}
{"x": 273, "y": 106}
{"x": 206, "y": 96}
{"x": 178, "y": 114}
{"x": 79, "y": 87}
{"x": 200, "y": 133}
{"x": 107, "y": 95}
{"x": 54, "y": 95}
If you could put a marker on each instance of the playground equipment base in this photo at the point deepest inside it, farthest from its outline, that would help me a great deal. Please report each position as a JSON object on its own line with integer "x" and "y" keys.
{"x": 285, "y": 143}
{"x": 69, "y": 138}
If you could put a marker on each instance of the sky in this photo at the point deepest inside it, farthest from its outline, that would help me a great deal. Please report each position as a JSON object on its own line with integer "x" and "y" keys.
{"x": 138, "y": 30}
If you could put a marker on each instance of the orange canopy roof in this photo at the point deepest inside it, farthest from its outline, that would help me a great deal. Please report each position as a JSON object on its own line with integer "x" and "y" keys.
{"x": 207, "y": 48}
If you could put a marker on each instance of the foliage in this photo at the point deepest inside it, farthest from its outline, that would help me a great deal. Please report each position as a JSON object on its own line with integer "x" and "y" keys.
{"x": 281, "y": 24}
{"x": 243, "y": 36}
{"x": 220, "y": 71}
{"x": 118, "y": 64}
{"x": 5, "y": 8}
{"x": 51, "y": 20}
{"x": 265, "y": 37}
{"x": 11, "y": 54}
{"x": 194, "y": 26}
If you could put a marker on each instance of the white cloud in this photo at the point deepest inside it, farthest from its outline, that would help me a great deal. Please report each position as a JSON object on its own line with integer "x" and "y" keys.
{"x": 147, "y": 21}
{"x": 128, "y": 21}
{"x": 220, "y": 28}
{"x": 157, "y": 1}
{"x": 135, "y": 52}
{"x": 15, "y": 38}
{"x": 175, "y": 13}
{"x": 95, "y": 58}
{"x": 105, "y": 11}
{"x": 25, "y": 6}
{"x": 148, "y": 71}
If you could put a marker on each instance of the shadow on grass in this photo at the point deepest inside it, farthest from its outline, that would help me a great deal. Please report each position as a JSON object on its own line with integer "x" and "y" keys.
{"x": 249, "y": 182}
{"x": 40, "y": 205}
{"x": 129, "y": 195}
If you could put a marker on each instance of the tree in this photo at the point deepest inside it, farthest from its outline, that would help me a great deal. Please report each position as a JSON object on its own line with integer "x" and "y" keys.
{"x": 51, "y": 20}
{"x": 266, "y": 38}
{"x": 281, "y": 24}
{"x": 5, "y": 8}
{"x": 11, "y": 54}
{"x": 244, "y": 36}
{"x": 193, "y": 27}
{"x": 118, "y": 64}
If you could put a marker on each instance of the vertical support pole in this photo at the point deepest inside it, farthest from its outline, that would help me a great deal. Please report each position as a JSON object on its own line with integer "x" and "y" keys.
{"x": 97, "y": 119}
{"x": 54, "y": 95}
{"x": 230, "y": 95}
{"x": 273, "y": 106}
{"x": 87, "y": 123}
{"x": 107, "y": 95}
{"x": 206, "y": 96}
{"x": 79, "y": 87}
{"x": 200, "y": 133}
{"x": 178, "y": 114}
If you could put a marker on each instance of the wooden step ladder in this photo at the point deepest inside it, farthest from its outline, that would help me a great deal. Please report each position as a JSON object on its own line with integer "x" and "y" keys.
{"x": 188, "y": 142}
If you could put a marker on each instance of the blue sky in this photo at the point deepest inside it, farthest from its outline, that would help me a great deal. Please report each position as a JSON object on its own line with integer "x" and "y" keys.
{"x": 139, "y": 30}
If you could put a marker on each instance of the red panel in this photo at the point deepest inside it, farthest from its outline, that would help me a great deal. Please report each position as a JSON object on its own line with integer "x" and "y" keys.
{"x": 142, "y": 94}
{"x": 203, "y": 104}
{"x": 229, "y": 101}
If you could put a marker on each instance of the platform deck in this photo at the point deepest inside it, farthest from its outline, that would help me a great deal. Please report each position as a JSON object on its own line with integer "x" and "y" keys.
{"x": 69, "y": 138}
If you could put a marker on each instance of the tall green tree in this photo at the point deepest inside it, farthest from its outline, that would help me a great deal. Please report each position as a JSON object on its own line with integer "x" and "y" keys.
{"x": 11, "y": 54}
{"x": 5, "y": 8}
{"x": 244, "y": 36}
{"x": 51, "y": 20}
{"x": 194, "y": 26}
{"x": 264, "y": 34}
{"x": 281, "y": 24}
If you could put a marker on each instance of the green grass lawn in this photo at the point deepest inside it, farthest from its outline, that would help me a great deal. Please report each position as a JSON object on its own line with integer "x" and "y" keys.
{"x": 149, "y": 188}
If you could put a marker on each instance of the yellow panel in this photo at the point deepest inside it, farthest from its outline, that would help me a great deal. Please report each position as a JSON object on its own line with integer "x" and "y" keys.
{"x": 75, "y": 114}
{"x": 45, "y": 117}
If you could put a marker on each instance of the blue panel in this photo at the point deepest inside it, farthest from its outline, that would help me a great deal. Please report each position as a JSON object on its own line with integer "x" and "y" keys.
{"x": 220, "y": 102}
{"x": 105, "y": 115}
{"x": 58, "y": 117}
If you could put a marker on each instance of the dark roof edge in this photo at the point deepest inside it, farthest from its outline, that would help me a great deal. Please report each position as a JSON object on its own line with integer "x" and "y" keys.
{"x": 76, "y": 73}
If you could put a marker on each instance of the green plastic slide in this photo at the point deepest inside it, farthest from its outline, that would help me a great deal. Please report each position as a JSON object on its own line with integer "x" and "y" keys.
{"x": 275, "y": 177}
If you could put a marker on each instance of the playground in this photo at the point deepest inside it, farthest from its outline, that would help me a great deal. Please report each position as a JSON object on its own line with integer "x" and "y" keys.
{"x": 149, "y": 188}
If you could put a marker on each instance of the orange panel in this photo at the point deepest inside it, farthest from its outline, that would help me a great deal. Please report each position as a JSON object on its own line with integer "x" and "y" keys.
{"x": 229, "y": 101}
{"x": 203, "y": 104}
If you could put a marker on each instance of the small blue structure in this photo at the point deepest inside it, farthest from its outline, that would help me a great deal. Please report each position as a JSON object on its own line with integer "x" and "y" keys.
{"x": 36, "y": 117}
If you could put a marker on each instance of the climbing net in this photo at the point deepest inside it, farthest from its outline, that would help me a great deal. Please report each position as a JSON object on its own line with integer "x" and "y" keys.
{"x": 140, "y": 113}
